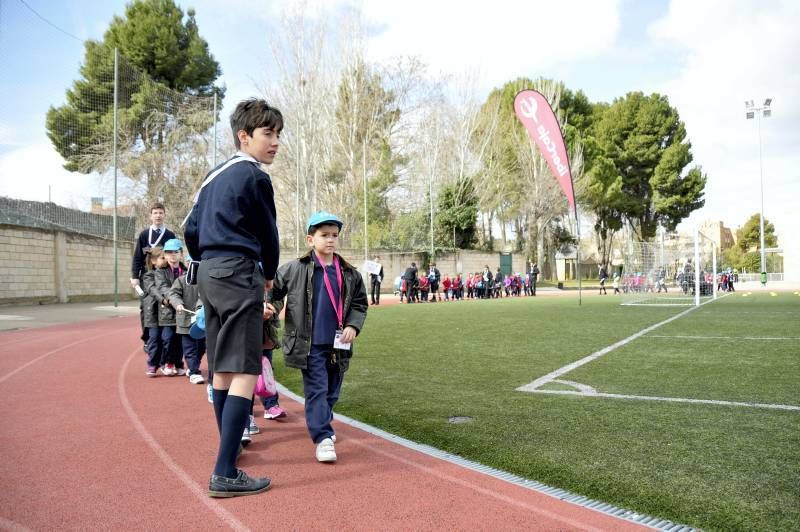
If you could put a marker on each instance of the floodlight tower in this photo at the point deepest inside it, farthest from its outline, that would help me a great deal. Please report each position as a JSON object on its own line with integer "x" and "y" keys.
{"x": 757, "y": 112}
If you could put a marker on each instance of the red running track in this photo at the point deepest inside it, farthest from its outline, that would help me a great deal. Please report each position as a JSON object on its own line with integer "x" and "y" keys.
{"x": 88, "y": 442}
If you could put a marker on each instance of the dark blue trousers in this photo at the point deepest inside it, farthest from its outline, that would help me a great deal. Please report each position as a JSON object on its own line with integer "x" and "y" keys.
{"x": 153, "y": 347}
{"x": 322, "y": 382}
{"x": 170, "y": 347}
{"x": 193, "y": 351}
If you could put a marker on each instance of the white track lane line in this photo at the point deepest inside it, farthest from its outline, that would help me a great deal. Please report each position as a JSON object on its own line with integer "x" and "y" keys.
{"x": 200, "y": 493}
{"x": 54, "y": 351}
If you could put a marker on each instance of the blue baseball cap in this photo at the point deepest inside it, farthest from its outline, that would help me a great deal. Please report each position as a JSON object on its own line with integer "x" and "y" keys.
{"x": 323, "y": 217}
{"x": 173, "y": 244}
{"x": 198, "y": 330}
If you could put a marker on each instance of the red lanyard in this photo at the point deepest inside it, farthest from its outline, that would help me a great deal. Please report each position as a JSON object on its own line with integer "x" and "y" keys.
{"x": 338, "y": 307}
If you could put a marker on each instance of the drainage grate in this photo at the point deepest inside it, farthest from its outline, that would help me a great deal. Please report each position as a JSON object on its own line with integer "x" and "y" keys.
{"x": 558, "y": 493}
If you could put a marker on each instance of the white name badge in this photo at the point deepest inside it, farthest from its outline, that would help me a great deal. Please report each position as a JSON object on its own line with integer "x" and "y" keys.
{"x": 337, "y": 341}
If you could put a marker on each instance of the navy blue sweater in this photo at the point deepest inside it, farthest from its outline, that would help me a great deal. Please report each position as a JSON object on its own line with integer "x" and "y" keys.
{"x": 325, "y": 322}
{"x": 235, "y": 217}
{"x": 138, "y": 266}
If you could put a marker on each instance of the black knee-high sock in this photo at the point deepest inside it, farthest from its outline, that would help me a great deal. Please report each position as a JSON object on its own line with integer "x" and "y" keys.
{"x": 233, "y": 421}
{"x": 219, "y": 397}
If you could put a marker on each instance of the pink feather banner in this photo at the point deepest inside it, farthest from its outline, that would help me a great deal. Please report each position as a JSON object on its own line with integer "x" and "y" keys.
{"x": 535, "y": 113}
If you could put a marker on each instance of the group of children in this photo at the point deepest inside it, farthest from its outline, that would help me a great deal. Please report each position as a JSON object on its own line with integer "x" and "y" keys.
{"x": 169, "y": 304}
{"x": 478, "y": 285}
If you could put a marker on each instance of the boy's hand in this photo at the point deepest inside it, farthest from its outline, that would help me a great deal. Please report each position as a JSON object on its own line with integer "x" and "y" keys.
{"x": 268, "y": 285}
{"x": 348, "y": 335}
{"x": 180, "y": 308}
{"x": 269, "y": 311}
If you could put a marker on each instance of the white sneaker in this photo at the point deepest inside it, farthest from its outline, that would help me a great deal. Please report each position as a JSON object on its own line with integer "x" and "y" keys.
{"x": 326, "y": 452}
{"x": 196, "y": 378}
{"x": 253, "y": 427}
{"x": 246, "y": 437}
{"x": 333, "y": 438}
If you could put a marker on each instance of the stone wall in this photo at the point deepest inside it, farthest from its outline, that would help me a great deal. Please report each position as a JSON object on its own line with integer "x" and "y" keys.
{"x": 47, "y": 266}
{"x": 27, "y": 268}
{"x": 44, "y": 266}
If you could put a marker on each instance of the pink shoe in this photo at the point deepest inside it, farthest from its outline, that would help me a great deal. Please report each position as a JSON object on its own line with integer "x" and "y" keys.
{"x": 274, "y": 412}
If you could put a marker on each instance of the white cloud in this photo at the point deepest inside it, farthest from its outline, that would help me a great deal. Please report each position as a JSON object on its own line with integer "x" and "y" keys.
{"x": 735, "y": 52}
{"x": 35, "y": 172}
{"x": 503, "y": 39}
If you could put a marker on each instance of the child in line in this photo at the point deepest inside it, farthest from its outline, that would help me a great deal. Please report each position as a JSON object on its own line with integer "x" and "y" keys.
{"x": 424, "y": 287}
{"x": 150, "y": 301}
{"x": 447, "y": 286}
{"x": 325, "y": 311}
{"x": 458, "y": 288}
{"x": 166, "y": 274}
{"x": 270, "y": 340}
{"x": 185, "y": 299}
{"x": 272, "y": 410}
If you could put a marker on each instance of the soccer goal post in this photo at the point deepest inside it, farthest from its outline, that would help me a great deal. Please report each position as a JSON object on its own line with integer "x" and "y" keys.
{"x": 673, "y": 271}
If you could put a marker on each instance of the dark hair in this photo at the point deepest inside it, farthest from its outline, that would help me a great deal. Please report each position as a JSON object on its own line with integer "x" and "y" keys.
{"x": 251, "y": 114}
{"x": 157, "y": 205}
{"x": 414, "y": 264}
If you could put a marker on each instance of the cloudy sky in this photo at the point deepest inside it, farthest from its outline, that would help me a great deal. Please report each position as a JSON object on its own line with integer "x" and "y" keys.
{"x": 707, "y": 56}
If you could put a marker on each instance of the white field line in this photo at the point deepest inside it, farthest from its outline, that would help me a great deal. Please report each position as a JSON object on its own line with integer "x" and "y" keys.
{"x": 582, "y": 388}
{"x": 224, "y": 515}
{"x": 597, "y": 354}
{"x": 726, "y": 337}
{"x": 671, "y": 399}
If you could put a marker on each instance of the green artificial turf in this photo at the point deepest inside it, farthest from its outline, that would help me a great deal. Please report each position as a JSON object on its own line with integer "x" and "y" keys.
{"x": 710, "y": 466}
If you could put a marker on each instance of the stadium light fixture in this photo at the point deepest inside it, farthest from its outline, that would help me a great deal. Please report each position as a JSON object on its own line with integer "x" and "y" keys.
{"x": 757, "y": 113}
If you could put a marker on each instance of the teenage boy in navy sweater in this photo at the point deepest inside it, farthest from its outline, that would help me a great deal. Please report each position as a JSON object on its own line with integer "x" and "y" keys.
{"x": 326, "y": 307}
{"x": 232, "y": 229}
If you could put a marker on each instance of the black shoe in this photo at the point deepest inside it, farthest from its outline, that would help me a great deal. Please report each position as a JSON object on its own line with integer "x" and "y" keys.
{"x": 236, "y": 487}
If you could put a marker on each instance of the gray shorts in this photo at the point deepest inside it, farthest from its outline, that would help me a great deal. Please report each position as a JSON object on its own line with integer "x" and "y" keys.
{"x": 232, "y": 291}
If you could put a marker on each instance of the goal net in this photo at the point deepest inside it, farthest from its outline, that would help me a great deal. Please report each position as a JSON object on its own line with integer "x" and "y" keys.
{"x": 676, "y": 271}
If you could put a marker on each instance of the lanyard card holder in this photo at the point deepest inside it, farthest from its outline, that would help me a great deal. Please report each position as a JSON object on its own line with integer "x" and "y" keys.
{"x": 337, "y": 341}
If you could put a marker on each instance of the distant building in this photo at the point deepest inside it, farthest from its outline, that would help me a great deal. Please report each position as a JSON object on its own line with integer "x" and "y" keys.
{"x": 721, "y": 235}
{"x": 122, "y": 210}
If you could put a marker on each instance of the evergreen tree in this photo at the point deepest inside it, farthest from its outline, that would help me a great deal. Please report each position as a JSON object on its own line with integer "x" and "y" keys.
{"x": 153, "y": 37}
{"x": 748, "y": 237}
{"x": 643, "y": 151}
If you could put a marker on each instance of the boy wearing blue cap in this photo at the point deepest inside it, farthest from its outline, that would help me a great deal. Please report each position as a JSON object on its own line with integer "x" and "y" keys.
{"x": 232, "y": 229}
{"x": 325, "y": 310}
